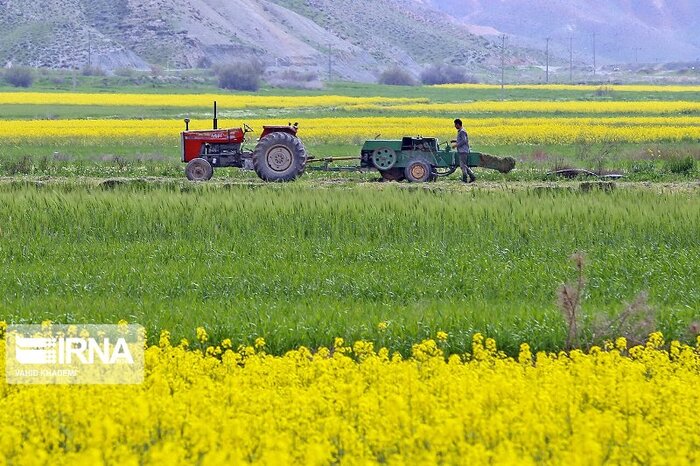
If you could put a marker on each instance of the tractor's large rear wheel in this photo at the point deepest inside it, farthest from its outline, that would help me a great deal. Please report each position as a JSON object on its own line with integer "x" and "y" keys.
{"x": 279, "y": 157}
{"x": 199, "y": 170}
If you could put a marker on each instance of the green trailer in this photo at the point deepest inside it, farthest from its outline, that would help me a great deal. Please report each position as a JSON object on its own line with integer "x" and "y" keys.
{"x": 418, "y": 159}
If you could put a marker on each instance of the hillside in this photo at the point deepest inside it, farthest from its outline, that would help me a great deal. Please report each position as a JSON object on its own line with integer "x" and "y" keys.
{"x": 626, "y": 31}
{"x": 365, "y": 36}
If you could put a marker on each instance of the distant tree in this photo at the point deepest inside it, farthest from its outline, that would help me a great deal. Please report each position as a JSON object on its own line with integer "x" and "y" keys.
{"x": 204, "y": 62}
{"x": 157, "y": 70}
{"x": 396, "y": 76}
{"x": 446, "y": 74}
{"x": 242, "y": 76}
{"x": 90, "y": 70}
{"x": 19, "y": 76}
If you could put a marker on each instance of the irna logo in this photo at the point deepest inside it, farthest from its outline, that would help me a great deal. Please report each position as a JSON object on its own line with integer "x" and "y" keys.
{"x": 61, "y": 354}
{"x": 69, "y": 350}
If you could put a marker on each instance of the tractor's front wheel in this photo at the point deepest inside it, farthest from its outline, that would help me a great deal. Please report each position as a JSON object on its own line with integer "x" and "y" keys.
{"x": 279, "y": 157}
{"x": 199, "y": 170}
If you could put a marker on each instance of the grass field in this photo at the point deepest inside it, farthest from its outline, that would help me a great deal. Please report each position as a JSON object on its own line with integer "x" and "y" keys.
{"x": 302, "y": 263}
{"x": 363, "y": 253}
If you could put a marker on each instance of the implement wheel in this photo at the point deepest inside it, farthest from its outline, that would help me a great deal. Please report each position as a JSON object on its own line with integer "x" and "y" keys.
{"x": 384, "y": 158}
{"x": 279, "y": 157}
{"x": 199, "y": 170}
{"x": 418, "y": 171}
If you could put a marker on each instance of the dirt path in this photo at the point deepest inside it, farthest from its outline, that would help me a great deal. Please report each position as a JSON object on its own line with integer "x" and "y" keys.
{"x": 442, "y": 186}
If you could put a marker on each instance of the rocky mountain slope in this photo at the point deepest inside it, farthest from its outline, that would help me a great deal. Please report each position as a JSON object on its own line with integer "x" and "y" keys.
{"x": 626, "y": 31}
{"x": 364, "y": 36}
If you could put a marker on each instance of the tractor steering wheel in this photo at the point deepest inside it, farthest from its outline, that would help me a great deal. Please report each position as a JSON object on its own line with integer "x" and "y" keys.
{"x": 247, "y": 129}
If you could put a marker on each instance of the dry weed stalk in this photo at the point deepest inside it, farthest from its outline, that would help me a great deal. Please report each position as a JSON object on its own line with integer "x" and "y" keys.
{"x": 635, "y": 322}
{"x": 569, "y": 300}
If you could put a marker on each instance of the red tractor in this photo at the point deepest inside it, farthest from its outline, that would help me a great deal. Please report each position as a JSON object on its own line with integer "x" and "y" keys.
{"x": 279, "y": 154}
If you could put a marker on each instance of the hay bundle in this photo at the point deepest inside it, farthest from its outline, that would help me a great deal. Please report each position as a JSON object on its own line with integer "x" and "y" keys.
{"x": 503, "y": 165}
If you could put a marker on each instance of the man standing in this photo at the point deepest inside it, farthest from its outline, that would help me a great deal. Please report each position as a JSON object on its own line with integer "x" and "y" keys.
{"x": 462, "y": 144}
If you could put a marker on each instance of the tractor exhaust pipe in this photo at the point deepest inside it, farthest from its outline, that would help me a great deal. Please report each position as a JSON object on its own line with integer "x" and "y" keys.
{"x": 216, "y": 121}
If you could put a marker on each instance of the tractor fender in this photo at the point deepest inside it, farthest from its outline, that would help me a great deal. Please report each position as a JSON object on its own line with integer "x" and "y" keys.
{"x": 291, "y": 129}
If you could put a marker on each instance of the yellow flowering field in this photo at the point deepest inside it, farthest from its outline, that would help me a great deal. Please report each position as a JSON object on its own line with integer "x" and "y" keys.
{"x": 351, "y": 120}
{"x": 226, "y": 101}
{"x": 579, "y": 87}
{"x": 356, "y": 129}
{"x": 675, "y": 108}
{"x": 357, "y": 404}
{"x": 235, "y": 102}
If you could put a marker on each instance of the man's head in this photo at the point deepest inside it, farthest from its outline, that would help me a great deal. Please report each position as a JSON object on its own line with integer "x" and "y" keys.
{"x": 458, "y": 123}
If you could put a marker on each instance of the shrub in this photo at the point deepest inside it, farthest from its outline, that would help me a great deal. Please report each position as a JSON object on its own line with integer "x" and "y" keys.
{"x": 396, "y": 76}
{"x": 19, "y": 76}
{"x": 124, "y": 72}
{"x": 681, "y": 165}
{"x": 296, "y": 80}
{"x": 604, "y": 91}
{"x": 21, "y": 166}
{"x": 240, "y": 76}
{"x": 446, "y": 74}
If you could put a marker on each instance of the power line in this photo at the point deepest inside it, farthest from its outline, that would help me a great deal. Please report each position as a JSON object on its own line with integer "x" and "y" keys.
{"x": 503, "y": 65}
{"x": 593, "y": 53}
{"x": 547, "y": 61}
{"x": 571, "y": 59}
{"x": 330, "y": 61}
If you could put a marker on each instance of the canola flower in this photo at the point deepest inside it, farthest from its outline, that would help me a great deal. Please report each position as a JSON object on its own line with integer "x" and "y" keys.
{"x": 552, "y": 122}
{"x": 227, "y": 101}
{"x": 578, "y": 87}
{"x": 678, "y": 108}
{"x": 354, "y": 130}
{"x": 361, "y": 405}
{"x": 347, "y": 103}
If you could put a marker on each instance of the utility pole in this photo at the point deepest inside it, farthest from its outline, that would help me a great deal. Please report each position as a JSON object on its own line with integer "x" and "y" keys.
{"x": 636, "y": 56}
{"x": 571, "y": 59}
{"x": 330, "y": 62}
{"x": 547, "y": 61}
{"x": 89, "y": 49}
{"x": 503, "y": 65}
{"x": 593, "y": 53}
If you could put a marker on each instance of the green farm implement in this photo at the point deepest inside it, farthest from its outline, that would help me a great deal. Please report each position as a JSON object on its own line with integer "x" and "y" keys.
{"x": 419, "y": 159}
